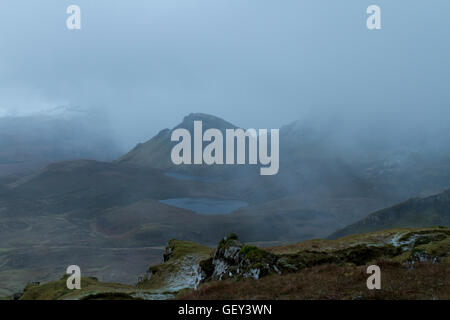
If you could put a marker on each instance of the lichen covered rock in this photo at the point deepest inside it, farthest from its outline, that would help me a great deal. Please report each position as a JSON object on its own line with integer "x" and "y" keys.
{"x": 233, "y": 259}
{"x": 180, "y": 269}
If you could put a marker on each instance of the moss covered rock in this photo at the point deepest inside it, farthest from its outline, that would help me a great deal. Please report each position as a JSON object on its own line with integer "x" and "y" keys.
{"x": 233, "y": 259}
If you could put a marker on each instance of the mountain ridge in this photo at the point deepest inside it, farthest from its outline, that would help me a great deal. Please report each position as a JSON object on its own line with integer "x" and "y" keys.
{"x": 415, "y": 212}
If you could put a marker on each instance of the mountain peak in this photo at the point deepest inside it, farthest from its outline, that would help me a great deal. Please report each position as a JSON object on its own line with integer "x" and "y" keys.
{"x": 156, "y": 151}
{"x": 208, "y": 121}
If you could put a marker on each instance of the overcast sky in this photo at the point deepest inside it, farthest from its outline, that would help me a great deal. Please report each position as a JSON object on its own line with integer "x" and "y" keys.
{"x": 256, "y": 63}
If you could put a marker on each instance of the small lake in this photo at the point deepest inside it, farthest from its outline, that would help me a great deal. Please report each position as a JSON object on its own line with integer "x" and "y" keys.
{"x": 209, "y": 206}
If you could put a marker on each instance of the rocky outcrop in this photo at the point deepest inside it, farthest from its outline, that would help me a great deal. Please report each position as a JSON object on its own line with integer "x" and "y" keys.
{"x": 187, "y": 264}
{"x": 432, "y": 245}
{"x": 180, "y": 269}
{"x": 233, "y": 259}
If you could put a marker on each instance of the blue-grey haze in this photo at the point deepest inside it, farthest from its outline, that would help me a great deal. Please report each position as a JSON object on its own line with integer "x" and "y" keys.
{"x": 257, "y": 63}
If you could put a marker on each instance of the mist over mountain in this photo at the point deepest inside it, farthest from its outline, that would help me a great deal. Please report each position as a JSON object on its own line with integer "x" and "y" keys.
{"x": 86, "y": 117}
{"x": 139, "y": 201}
{"x": 29, "y": 142}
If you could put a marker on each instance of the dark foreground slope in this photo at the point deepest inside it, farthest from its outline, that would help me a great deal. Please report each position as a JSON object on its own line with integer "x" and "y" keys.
{"x": 335, "y": 282}
{"x": 415, "y": 264}
{"x": 418, "y": 212}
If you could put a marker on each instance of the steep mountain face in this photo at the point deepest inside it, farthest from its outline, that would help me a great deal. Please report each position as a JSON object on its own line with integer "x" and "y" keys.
{"x": 155, "y": 153}
{"x": 417, "y": 212}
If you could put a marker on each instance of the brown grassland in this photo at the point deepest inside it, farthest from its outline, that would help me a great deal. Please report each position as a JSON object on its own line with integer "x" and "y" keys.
{"x": 337, "y": 282}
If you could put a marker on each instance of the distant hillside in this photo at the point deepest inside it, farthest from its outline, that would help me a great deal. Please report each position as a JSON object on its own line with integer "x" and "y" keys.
{"x": 418, "y": 212}
{"x": 32, "y": 142}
